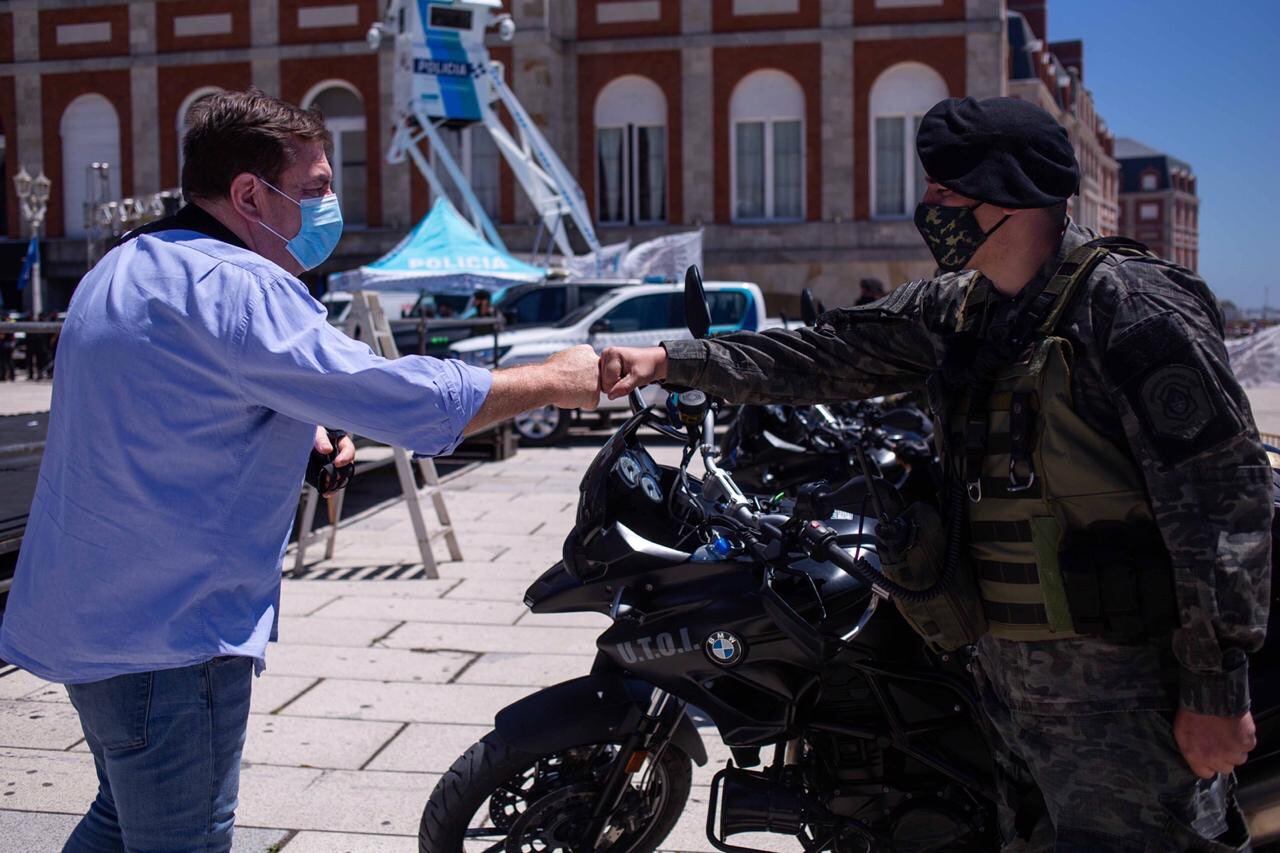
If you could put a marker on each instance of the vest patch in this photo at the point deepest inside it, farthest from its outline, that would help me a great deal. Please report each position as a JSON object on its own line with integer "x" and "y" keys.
{"x": 1171, "y": 388}
{"x": 1177, "y": 402}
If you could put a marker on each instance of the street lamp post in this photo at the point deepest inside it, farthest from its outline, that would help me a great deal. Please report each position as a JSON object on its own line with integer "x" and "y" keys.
{"x": 33, "y": 202}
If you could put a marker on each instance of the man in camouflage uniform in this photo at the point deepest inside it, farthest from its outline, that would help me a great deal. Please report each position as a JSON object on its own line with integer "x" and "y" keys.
{"x": 1132, "y": 744}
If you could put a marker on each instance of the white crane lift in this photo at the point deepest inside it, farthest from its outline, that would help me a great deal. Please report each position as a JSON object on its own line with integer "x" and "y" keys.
{"x": 445, "y": 78}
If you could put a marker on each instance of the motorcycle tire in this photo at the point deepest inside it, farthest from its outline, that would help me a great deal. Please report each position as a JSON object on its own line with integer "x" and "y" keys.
{"x": 492, "y": 764}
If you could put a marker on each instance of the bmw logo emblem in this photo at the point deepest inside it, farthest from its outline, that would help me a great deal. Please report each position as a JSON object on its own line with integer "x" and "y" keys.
{"x": 723, "y": 648}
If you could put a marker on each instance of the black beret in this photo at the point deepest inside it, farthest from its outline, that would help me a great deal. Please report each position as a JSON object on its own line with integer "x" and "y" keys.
{"x": 1003, "y": 151}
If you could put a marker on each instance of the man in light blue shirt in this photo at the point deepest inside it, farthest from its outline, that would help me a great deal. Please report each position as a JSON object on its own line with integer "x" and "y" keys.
{"x": 193, "y": 369}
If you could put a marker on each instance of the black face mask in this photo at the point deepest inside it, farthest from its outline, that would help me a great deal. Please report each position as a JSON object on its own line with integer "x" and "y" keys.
{"x": 952, "y": 234}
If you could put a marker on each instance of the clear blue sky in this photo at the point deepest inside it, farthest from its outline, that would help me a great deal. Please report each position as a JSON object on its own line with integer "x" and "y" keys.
{"x": 1202, "y": 82}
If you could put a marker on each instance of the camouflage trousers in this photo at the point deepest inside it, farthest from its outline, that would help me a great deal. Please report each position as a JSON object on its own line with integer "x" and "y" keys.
{"x": 1108, "y": 771}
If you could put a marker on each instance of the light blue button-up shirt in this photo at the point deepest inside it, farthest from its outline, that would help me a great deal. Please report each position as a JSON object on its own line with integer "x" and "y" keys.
{"x": 191, "y": 375}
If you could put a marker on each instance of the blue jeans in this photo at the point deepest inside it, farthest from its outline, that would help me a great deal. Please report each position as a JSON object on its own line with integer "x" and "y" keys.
{"x": 167, "y": 747}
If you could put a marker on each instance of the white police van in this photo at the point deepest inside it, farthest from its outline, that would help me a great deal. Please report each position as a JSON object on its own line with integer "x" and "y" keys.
{"x": 634, "y": 316}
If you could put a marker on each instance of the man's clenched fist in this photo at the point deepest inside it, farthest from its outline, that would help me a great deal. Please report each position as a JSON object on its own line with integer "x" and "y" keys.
{"x": 576, "y": 383}
{"x": 1214, "y": 744}
{"x": 624, "y": 369}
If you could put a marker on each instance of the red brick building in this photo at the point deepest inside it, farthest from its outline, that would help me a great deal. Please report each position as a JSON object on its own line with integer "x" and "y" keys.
{"x": 1158, "y": 203}
{"x": 1051, "y": 75}
{"x": 782, "y": 127}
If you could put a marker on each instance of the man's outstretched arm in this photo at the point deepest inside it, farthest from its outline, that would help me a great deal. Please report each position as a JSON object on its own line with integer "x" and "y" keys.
{"x": 569, "y": 379}
{"x": 884, "y": 347}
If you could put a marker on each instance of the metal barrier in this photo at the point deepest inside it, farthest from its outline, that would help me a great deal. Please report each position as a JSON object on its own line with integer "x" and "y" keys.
{"x": 46, "y": 327}
{"x": 476, "y": 326}
{"x": 22, "y": 352}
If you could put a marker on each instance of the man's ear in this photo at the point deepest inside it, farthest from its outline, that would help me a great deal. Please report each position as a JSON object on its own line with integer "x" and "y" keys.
{"x": 244, "y": 197}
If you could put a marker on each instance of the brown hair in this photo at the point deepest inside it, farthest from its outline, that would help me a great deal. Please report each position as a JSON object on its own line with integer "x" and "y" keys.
{"x": 234, "y": 132}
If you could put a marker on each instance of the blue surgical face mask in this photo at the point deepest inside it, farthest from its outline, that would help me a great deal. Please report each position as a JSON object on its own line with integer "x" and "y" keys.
{"x": 321, "y": 229}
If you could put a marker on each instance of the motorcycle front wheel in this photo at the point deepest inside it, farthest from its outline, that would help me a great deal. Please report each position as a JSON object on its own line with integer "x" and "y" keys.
{"x": 498, "y": 798}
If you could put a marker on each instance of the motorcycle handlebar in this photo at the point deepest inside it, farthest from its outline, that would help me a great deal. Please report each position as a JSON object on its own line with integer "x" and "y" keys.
{"x": 818, "y": 539}
{"x": 823, "y": 548}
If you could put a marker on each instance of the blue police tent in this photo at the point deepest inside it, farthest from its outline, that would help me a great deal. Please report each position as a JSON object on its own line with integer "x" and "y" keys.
{"x": 443, "y": 254}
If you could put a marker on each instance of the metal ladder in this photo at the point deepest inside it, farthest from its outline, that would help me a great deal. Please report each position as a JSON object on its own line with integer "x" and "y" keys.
{"x": 368, "y": 323}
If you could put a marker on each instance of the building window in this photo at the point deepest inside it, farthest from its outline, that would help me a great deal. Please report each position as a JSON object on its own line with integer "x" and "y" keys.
{"x": 1150, "y": 181}
{"x": 631, "y": 152}
{"x": 343, "y": 111}
{"x": 90, "y": 130}
{"x": 477, "y": 155}
{"x": 899, "y": 98}
{"x": 183, "y": 111}
{"x": 1149, "y": 211}
{"x": 628, "y": 12}
{"x": 4, "y": 208}
{"x": 766, "y": 7}
{"x": 484, "y": 168}
{"x": 766, "y": 118}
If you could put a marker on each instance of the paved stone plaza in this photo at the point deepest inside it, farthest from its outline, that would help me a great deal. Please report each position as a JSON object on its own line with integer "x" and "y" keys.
{"x": 376, "y": 685}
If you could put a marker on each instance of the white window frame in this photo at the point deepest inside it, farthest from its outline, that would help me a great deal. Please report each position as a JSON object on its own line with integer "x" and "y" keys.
{"x": 466, "y": 152}
{"x": 768, "y": 216}
{"x": 769, "y": 116}
{"x": 626, "y": 178}
{"x": 75, "y": 179}
{"x": 922, "y": 98}
{"x": 1153, "y": 206}
{"x": 1150, "y": 181}
{"x": 4, "y": 153}
{"x": 654, "y": 114}
{"x": 469, "y": 168}
{"x": 634, "y": 160}
{"x": 337, "y": 125}
{"x": 185, "y": 107}
{"x": 910, "y": 191}
{"x": 631, "y": 174}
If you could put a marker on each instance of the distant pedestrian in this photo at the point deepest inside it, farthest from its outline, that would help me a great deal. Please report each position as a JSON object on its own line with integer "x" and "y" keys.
{"x": 871, "y": 290}
{"x": 51, "y": 345}
{"x": 37, "y": 346}
{"x": 7, "y": 345}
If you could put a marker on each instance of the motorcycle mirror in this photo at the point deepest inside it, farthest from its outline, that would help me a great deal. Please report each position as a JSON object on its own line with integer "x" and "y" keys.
{"x": 697, "y": 315}
{"x": 808, "y": 308}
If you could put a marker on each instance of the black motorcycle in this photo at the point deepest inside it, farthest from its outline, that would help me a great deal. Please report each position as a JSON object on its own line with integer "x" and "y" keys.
{"x": 846, "y": 732}
{"x": 757, "y": 613}
{"x": 778, "y": 448}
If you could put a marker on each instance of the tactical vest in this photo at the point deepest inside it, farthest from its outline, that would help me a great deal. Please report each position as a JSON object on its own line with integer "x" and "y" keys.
{"x": 1062, "y": 540}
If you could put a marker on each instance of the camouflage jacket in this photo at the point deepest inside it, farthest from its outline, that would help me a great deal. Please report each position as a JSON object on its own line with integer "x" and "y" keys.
{"x": 1211, "y": 493}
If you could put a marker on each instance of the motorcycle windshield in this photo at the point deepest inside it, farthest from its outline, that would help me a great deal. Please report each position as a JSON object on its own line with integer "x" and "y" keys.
{"x": 591, "y": 497}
